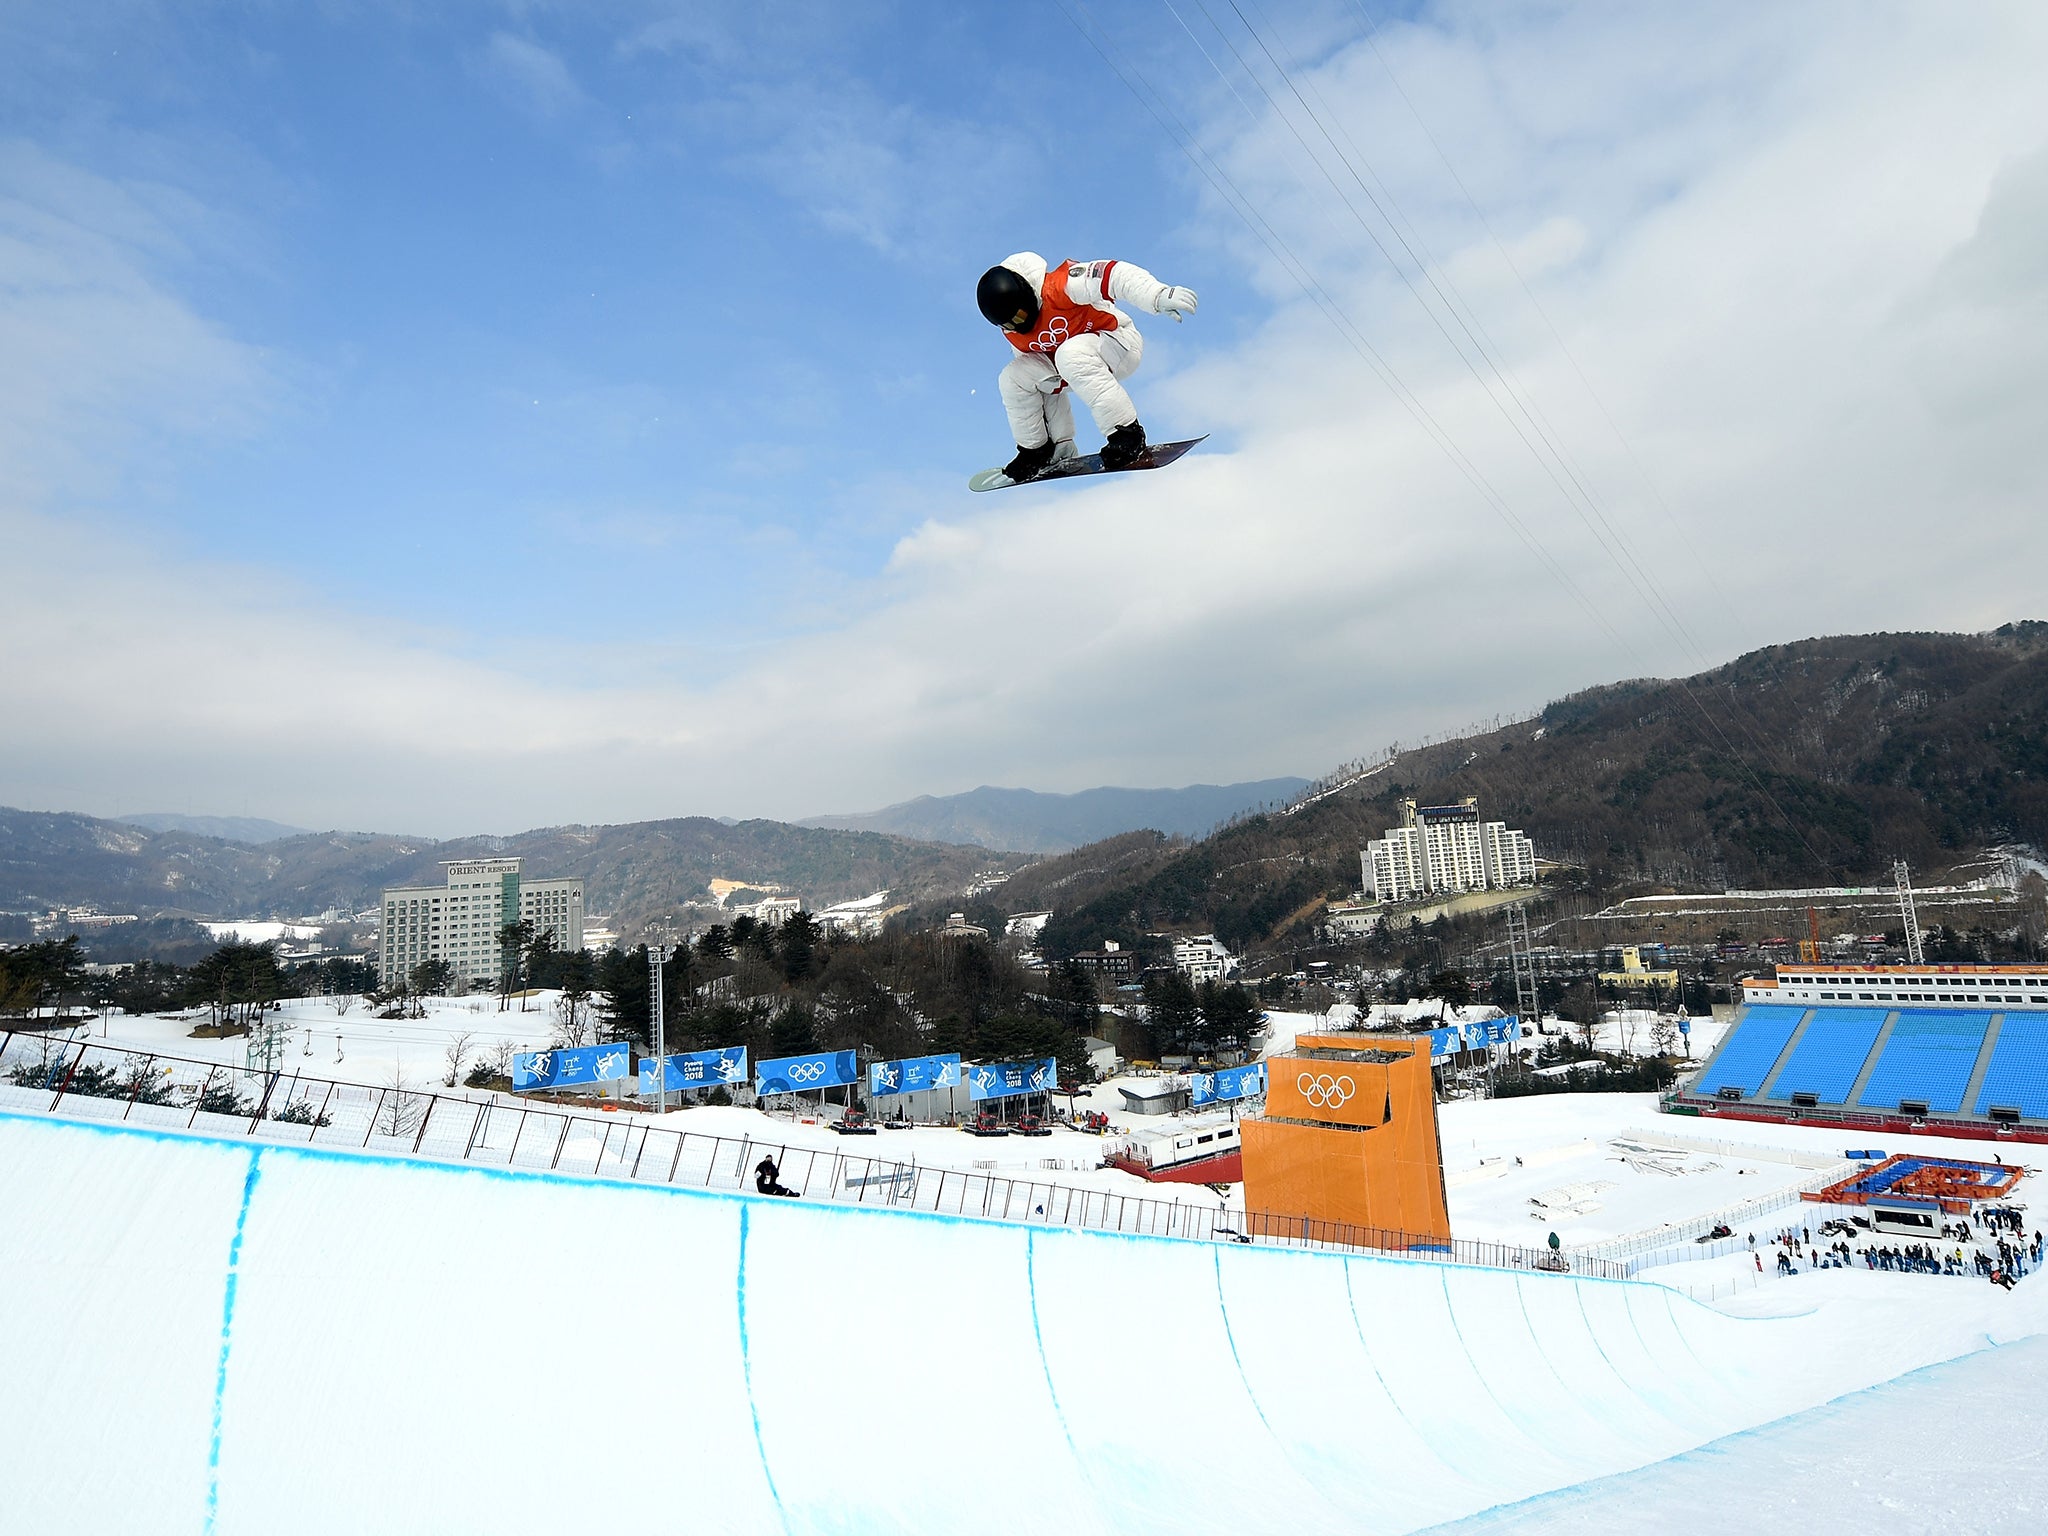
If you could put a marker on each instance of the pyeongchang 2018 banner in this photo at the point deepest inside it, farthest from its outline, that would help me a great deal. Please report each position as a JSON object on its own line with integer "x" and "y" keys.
{"x": 915, "y": 1074}
{"x": 575, "y": 1068}
{"x": 1007, "y": 1079}
{"x": 1246, "y": 1082}
{"x": 696, "y": 1069}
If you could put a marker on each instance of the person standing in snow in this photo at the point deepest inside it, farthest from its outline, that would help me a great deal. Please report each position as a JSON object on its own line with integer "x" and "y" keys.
{"x": 1072, "y": 339}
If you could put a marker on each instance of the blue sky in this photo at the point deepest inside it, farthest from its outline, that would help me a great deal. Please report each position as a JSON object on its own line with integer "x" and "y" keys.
{"x": 641, "y": 308}
{"x": 476, "y": 416}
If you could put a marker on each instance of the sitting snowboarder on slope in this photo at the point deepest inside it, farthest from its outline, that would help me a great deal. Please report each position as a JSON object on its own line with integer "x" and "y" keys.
{"x": 1070, "y": 335}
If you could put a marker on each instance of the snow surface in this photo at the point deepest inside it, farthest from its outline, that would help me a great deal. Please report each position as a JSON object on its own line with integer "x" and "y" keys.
{"x": 253, "y": 1338}
{"x": 258, "y": 932}
{"x": 356, "y": 1047}
{"x": 1567, "y": 1139}
{"x": 1951, "y": 1447}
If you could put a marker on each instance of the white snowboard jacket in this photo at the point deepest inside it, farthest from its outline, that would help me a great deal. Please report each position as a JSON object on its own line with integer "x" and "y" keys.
{"x": 1103, "y": 285}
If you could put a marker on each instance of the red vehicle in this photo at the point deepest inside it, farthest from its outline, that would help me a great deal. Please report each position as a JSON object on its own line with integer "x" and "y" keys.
{"x": 985, "y": 1123}
{"x": 1031, "y": 1125}
{"x": 854, "y": 1123}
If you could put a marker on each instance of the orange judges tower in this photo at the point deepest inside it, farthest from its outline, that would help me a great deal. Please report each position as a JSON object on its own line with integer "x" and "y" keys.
{"x": 1348, "y": 1139}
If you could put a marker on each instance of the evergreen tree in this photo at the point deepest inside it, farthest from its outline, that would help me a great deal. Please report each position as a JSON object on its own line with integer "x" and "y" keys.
{"x": 431, "y": 978}
{"x": 626, "y": 1003}
{"x": 1073, "y": 1059}
{"x": 37, "y": 975}
{"x": 1229, "y": 1014}
{"x": 515, "y": 940}
{"x": 1451, "y": 989}
{"x": 1077, "y": 987}
{"x": 798, "y": 942}
{"x": 1171, "y": 1011}
{"x": 575, "y": 972}
{"x": 794, "y": 1031}
{"x": 236, "y": 982}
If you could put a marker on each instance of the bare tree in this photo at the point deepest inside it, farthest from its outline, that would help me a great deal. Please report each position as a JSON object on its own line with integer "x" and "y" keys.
{"x": 1664, "y": 1034}
{"x": 572, "y": 1019}
{"x": 1318, "y": 999}
{"x": 1627, "y": 1021}
{"x": 400, "y": 1107}
{"x": 457, "y": 1055}
{"x": 1582, "y": 1007}
{"x": 342, "y": 1002}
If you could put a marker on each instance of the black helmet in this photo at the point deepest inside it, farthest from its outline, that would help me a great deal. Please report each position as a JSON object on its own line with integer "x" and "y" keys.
{"x": 1003, "y": 295}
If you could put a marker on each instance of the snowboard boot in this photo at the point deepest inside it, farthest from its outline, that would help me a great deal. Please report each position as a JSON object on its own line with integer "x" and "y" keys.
{"x": 1126, "y": 448}
{"x": 1030, "y": 461}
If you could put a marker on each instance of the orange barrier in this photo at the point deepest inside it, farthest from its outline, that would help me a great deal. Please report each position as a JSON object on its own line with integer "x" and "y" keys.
{"x": 1951, "y": 1182}
{"x": 1348, "y": 1136}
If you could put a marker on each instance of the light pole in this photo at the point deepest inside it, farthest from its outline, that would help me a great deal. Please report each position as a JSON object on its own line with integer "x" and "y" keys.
{"x": 654, "y": 955}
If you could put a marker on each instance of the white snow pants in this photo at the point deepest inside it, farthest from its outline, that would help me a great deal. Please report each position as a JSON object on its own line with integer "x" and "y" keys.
{"x": 1038, "y": 390}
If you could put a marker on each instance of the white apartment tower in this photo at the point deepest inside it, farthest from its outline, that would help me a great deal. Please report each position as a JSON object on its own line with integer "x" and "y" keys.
{"x": 459, "y": 920}
{"x": 1445, "y": 849}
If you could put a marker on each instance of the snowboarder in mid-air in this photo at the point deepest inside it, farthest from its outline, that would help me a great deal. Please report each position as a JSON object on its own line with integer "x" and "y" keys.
{"x": 1072, "y": 339}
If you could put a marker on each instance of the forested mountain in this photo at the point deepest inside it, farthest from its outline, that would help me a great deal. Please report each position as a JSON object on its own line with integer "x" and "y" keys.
{"x": 1812, "y": 763}
{"x": 233, "y": 829}
{"x": 1032, "y": 822}
{"x": 54, "y": 859}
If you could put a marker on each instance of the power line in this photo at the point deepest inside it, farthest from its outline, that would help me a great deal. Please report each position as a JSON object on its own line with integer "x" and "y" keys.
{"x": 1614, "y": 542}
{"x": 1584, "y": 504}
{"x": 1536, "y": 304}
{"x": 1311, "y": 286}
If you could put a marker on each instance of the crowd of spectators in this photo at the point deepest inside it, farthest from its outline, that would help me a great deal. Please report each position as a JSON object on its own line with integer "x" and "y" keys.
{"x": 2001, "y": 1252}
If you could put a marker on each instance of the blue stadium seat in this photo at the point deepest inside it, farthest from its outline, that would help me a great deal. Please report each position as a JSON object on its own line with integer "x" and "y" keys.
{"x": 2018, "y": 1075}
{"x": 1754, "y": 1043}
{"x": 1928, "y": 1058}
{"x": 1830, "y": 1054}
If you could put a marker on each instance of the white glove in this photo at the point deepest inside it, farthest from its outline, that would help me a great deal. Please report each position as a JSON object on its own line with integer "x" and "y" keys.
{"x": 1177, "y": 302}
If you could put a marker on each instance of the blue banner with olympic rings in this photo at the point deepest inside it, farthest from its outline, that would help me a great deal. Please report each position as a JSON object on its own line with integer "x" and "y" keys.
{"x": 799, "y": 1074}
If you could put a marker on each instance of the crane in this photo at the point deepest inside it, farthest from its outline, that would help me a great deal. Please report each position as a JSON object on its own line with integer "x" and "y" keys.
{"x": 1809, "y": 947}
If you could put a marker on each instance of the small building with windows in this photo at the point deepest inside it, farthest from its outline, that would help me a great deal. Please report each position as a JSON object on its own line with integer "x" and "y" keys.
{"x": 1202, "y": 959}
{"x": 1112, "y": 963}
{"x": 956, "y": 926}
{"x": 1634, "y": 976}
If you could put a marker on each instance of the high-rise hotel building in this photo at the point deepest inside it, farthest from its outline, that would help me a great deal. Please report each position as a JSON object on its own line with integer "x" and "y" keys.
{"x": 1445, "y": 849}
{"x": 459, "y": 921}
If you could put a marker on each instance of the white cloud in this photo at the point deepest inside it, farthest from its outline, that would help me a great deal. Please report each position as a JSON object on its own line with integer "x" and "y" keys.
{"x": 1797, "y": 254}
{"x": 536, "y": 78}
{"x": 104, "y": 368}
{"x": 899, "y": 179}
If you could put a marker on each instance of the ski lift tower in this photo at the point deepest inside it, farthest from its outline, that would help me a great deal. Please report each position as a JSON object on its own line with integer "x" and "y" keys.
{"x": 1522, "y": 962}
{"x": 1904, "y": 877}
{"x": 265, "y": 1051}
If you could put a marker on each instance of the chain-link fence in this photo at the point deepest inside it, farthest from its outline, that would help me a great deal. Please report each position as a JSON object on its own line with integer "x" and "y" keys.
{"x": 83, "y": 1081}
{"x": 1689, "y": 1238}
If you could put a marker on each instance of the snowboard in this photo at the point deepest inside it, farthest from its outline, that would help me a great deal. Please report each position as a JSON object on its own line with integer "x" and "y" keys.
{"x": 1157, "y": 456}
